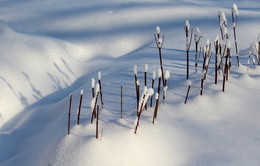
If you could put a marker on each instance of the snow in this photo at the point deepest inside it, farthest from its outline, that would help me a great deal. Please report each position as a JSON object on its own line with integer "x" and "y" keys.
{"x": 145, "y": 67}
{"x": 158, "y": 29}
{"x": 93, "y": 83}
{"x": 167, "y": 74}
{"x": 135, "y": 69}
{"x": 234, "y": 9}
{"x": 154, "y": 74}
{"x": 197, "y": 34}
{"x": 99, "y": 75}
{"x": 229, "y": 44}
{"x": 187, "y": 24}
{"x": 159, "y": 73}
{"x": 51, "y": 49}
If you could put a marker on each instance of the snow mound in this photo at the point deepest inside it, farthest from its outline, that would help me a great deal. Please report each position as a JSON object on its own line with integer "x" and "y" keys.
{"x": 33, "y": 67}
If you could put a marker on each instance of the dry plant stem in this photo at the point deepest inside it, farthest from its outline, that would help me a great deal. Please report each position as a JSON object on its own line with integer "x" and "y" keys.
{"x": 139, "y": 115}
{"x": 145, "y": 83}
{"x": 216, "y": 63}
{"x": 155, "y": 110}
{"x": 187, "y": 95}
{"x": 138, "y": 96}
{"x": 151, "y": 102}
{"x": 235, "y": 37}
{"x": 157, "y": 101}
{"x": 201, "y": 86}
{"x": 225, "y": 70}
{"x": 93, "y": 92}
{"x": 101, "y": 97}
{"x": 121, "y": 113}
{"x": 80, "y": 102}
{"x": 160, "y": 53}
{"x": 259, "y": 53}
{"x": 69, "y": 114}
{"x": 94, "y": 109}
{"x": 196, "y": 56}
{"x": 188, "y": 50}
{"x": 137, "y": 92}
{"x": 97, "y": 122}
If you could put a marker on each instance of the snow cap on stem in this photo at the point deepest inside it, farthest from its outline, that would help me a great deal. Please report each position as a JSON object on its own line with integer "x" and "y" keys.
{"x": 154, "y": 74}
{"x": 187, "y": 24}
{"x": 167, "y": 74}
{"x": 157, "y": 96}
{"x": 159, "y": 42}
{"x": 207, "y": 42}
{"x": 248, "y": 61}
{"x": 158, "y": 29}
{"x": 216, "y": 39}
{"x": 81, "y": 92}
{"x": 150, "y": 92}
{"x": 159, "y": 73}
{"x": 137, "y": 83}
{"x": 165, "y": 89}
{"x": 234, "y": 9}
{"x": 225, "y": 31}
{"x": 223, "y": 19}
{"x": 253, "y": 60}
{"x": 189, "y": 82}
{"x": 145, "y": 90}
{"x": 145, "y": 67}
{"x": 229, "y": 44}
{"x": 135, "y": 69}
{"x": 197, "y": 34}
{"x": 93, "y": 83}
{"x": 92, "y": 103}
{"x": 99, "y": 75}
{"x": 97, "y": 88}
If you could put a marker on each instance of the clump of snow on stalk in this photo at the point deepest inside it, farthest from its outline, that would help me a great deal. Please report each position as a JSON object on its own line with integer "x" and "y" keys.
{"x": 135, "y": 69}
{"x": 97, "y": 88}
{"x": 81, "y": 92}
{"x": 165, "y": 88}
{"x": 253, "y": 60}
{"x": 187, "y": 24}
{"x": 203, "y": 73}
{"x": 148, "y": 93}
{"x": 225, "y": 31}
{"x": 167, "y": 74}
{"x": 216, "y": 39}
{"x": 229, "y": 44}
{"x": 154, "y": 74}
{"x": 135, "y": 122}
{"x": 157, "y": 95}
{"x": 218, "y": 59}
{"x": 99, "y": 75}
{"x": 159, "y": 42}
{"x": 142, "y": 98}
{"x": 223, "y": 19}
{"x": 235, "y": 9}
{"x": 197, "y": 34}
{"x": 189, "y": 82}
{"x": 92, "y": 103}
{"x": 93, "y": 83}
{"x": 207, "y": 42}
{"x": 159, "y": 73}
{"x": 137, "y": 83}
{"x": 158, "y": 30}
{"x": 145, "y": 67}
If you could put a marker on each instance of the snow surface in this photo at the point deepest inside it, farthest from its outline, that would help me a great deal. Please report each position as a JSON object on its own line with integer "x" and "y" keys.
{"x": 51, "y": 49}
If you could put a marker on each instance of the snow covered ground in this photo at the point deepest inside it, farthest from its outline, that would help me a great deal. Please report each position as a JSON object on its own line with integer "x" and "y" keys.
{"x": 50, "y": 49}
